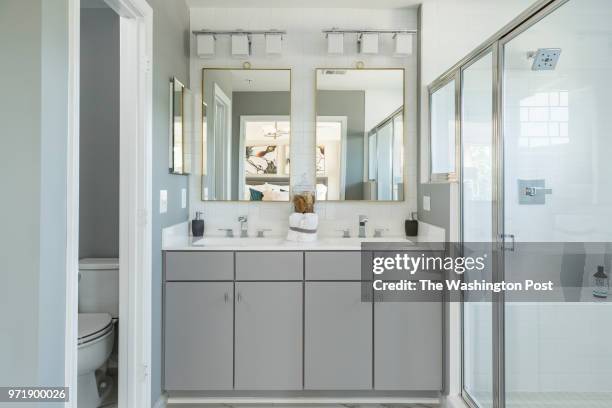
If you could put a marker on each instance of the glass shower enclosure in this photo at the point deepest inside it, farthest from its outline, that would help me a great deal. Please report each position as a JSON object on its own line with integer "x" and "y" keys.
{"x": 535, "y": 135}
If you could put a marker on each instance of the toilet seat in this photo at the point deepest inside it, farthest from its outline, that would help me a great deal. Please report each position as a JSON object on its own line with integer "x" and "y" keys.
{"x": 94, "y": 326}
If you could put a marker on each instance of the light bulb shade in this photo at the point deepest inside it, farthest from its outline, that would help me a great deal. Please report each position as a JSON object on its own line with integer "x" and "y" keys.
{"x": 369, "y": 43}
{"x": 274, "y": 44}
{"x": 403, "y": 44}
{"x": 335, "y": 43}
{"x": 240, "y": 45}
{"x": 205, "y": 45}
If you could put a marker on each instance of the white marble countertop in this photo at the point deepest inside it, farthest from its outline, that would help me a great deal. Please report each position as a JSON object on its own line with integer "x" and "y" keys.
{"x": 185, "y": 243}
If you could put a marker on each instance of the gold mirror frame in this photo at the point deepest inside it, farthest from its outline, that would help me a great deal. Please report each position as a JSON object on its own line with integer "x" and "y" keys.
{"x": 404, "y": 133}
{"x": 203, "y": 123}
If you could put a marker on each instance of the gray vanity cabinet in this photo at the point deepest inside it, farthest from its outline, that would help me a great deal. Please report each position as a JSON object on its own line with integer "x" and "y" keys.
{"x": 408, "y": 346}
{"x": 268, "y": 345}
{"x": 198, "y": 335}
{"x": 338, "y": 337}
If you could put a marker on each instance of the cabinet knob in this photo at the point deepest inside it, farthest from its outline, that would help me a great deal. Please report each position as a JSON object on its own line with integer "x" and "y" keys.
{"x": 226, "y": 297}
{"x": 238, "y": 297}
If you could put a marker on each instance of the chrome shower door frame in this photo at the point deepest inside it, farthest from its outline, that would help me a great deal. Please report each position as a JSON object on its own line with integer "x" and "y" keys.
{"x": 494, "y": 45}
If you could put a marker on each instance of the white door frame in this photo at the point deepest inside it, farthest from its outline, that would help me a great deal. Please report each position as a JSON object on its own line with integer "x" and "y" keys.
{"x": 135, "y": 208}
{"x": 343, "y": 120}
{"x": 223, "y": 144}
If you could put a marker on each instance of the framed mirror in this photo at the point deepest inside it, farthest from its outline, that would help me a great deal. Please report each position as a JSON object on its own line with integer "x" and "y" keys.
{"x": 181, "y": 118}
{"x": 360, "y": 134}
{"x": 246, "y": 134}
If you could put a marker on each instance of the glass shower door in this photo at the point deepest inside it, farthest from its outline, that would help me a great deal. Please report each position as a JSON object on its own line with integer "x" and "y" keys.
{"x": 557, "y": 187}
{"x": 477, "y": 183}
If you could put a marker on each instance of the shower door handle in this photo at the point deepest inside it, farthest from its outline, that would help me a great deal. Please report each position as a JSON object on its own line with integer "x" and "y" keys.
{"x": 503, "y": 238}
{"x": 533, "y": 191}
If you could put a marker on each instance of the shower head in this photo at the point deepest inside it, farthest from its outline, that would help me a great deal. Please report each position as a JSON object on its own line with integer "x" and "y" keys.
{"x": 545, "y": 59}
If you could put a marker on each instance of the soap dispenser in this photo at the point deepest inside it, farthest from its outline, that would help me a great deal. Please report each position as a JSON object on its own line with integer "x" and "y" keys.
{"x": 601, "y": 283}
{"x": 197, "y": 225}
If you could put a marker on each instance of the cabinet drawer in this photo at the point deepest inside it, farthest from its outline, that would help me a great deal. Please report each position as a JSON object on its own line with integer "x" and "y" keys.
{"x": 269, "y": 266}
{"x": 199, "y": 266}
{"x": 333, "y": 265}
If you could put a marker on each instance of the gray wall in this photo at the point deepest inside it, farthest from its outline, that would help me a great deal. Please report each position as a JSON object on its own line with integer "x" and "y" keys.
{"x": 33, "y": 113}
{"x": 439, "y": 194}
{"x": 170, "y": 59}
{"x": 253, "y": 103}
{"x": 352, "y": 105}
{"x": 99, "y": 134}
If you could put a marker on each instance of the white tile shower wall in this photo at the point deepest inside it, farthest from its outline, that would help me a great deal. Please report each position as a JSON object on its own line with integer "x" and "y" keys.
{"x": 557, "y": 129}
{"x": 558, "y": 347}
{"x": 304, "y": 49}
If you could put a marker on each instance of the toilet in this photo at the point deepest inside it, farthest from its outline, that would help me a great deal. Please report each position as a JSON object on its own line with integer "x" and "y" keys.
{"x": 98, "y": 315}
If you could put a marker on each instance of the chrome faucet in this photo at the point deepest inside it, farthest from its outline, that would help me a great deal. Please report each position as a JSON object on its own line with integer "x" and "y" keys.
{"x": 346, "y": 232}
{"x": 363, "y": 220}
{"x": 378, "y": 232}
{"x": 244, "y": 226}
{"x": 262, "y": 231}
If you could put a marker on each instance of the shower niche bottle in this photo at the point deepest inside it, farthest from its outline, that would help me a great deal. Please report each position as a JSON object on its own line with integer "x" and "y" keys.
{"x": 601, "y": 283}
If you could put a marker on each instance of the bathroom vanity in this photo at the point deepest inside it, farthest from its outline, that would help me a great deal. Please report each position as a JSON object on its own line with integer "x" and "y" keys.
{"x": 269, "y": 316}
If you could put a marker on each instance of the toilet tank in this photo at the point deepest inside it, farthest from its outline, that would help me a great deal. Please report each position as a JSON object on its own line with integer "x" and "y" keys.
{"x": 99, "y": 286}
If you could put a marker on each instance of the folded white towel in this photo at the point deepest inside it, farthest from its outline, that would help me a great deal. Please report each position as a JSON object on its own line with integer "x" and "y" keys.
{"x": 303, "y": 227}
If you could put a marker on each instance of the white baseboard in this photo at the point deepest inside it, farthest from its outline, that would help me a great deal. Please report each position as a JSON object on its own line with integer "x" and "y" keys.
{"x": 162, "y": 401}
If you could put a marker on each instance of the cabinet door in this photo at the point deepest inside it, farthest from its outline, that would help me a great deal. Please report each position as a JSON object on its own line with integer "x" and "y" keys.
{"x": 198, "y": 336}
{"x": 268, "y": 336}
{"x": 338, "y": 342}
{"x": 408, "y": 345}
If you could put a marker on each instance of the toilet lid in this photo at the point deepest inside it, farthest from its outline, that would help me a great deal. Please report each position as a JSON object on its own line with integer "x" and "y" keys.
{"x": 92, "y": 325}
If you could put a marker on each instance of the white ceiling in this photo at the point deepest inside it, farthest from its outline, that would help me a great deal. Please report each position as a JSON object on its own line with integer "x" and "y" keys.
{"x": 363, "y": 4}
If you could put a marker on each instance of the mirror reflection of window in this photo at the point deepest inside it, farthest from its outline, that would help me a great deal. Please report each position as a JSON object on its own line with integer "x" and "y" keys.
{"x": 360, "y": 134}
{"x": 443, "y": 132}
{"x": 246, "y": 134}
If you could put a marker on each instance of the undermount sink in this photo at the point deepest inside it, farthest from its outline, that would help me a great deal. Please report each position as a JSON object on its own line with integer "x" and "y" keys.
{"x": 238, "y": 241}
{"x": 357, "y": 240}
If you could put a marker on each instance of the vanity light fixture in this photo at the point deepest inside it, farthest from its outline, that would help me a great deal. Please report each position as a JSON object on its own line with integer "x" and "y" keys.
{"x": 274, "y": 43}
{"x": 368, "y": 40}
{"x": 240, "y": 41}
{"x": 205, "y": 45}
{"x": 403, "y": 44}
